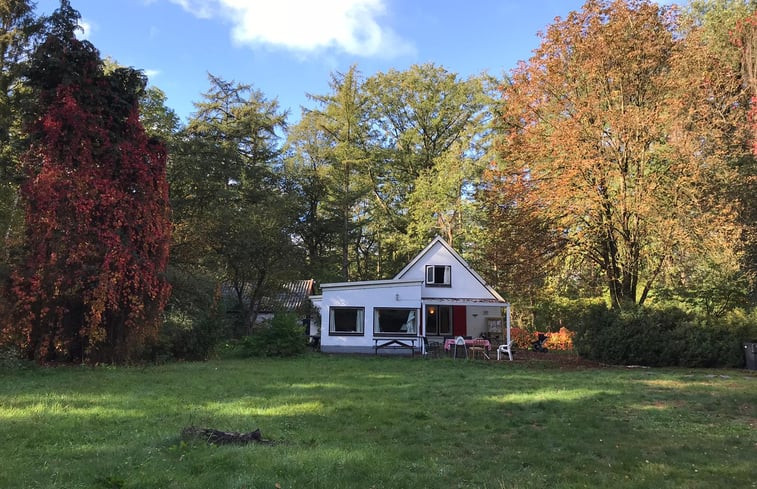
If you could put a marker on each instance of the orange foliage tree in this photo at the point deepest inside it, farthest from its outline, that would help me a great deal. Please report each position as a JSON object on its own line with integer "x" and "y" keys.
{"x": 91, "y": 285}
{"x": 623, "y": 129}
{"x": 522, "y": 241}
{"x": 744, "y": 36}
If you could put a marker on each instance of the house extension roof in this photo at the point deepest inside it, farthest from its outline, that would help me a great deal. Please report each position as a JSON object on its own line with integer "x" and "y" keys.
{"x": 371, "y": 283}
{"x": 466, "y": 301}
{"x": 292, "y": 296}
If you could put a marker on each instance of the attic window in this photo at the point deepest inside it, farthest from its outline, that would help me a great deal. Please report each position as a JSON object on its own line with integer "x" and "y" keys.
{"x": 438, "y": 275}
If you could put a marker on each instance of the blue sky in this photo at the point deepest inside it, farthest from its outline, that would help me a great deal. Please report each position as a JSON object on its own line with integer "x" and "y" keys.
{"x": 287, "y": 48}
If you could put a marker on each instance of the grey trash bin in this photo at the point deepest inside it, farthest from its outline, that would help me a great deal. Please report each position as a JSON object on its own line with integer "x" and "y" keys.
{"x": 750, "y": 350}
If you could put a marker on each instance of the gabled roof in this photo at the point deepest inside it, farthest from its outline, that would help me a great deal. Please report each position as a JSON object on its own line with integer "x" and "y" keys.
{"x": 438, "y": 240}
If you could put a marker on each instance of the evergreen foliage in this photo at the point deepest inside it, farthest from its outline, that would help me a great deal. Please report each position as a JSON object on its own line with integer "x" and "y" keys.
{"x": 233, "y": 210}
{"x": 657, "y": 338}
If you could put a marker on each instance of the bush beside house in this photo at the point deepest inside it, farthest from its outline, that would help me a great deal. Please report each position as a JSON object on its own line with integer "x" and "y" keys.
{"x": 556, "y": 340}
{"x": 659, "y": 337}
{"x": 282, "y": 336}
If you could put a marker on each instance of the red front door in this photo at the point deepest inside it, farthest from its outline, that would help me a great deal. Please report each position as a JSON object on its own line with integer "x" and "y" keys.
{"x": 459, "y": 321}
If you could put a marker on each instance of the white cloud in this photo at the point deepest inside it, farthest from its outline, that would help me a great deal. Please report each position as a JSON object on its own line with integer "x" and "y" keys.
{"x": 152, "y": 73}
{"x": 352, "y": 26}
{"x": 204, "y": 9}
{"x": 85, "y": 30}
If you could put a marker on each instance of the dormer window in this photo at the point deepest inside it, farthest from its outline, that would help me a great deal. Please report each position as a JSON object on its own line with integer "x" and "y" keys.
{"x": 438, "y": 275}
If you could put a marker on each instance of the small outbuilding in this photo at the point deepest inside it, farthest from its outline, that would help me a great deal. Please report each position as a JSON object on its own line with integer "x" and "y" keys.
{"x": 291, "y": 298}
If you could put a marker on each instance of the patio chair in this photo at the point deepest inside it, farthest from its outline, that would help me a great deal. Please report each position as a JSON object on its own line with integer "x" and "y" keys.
{"x": 505, "y": 348}
{"x": 460, "y": 341}
{"x": 431, "y": 349}
{"x": 479, "y": 346}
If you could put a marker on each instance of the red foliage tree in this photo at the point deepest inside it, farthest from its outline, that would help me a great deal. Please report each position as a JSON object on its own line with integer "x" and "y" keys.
{"x": 91, "y": 285}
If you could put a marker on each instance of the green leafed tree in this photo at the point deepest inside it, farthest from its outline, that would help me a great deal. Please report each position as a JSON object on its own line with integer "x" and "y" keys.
{"x": 233, "y": 214}
{"x": 390, "y": 162}
{"x": 19, "y": 28}
{"x": 309, "y": 168}
{"x": 159, "y": 120}
{"x": 431, "y": 128}
{"x": 341, "y": 118}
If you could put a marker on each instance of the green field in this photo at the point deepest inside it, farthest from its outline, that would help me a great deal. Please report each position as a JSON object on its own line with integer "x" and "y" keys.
{"x": 367, "y": 422}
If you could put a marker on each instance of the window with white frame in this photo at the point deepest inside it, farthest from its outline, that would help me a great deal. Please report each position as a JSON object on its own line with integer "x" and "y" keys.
{"x": 439, "y": 275}
{"x": 395, "y": 321}
{"x": 346, "y": 320}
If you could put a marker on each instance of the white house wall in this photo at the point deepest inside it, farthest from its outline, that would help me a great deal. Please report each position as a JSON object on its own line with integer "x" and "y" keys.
{"x": 477, "y": 319}
{"x": 463, "y": 283}
{"x": 397, "y": 295}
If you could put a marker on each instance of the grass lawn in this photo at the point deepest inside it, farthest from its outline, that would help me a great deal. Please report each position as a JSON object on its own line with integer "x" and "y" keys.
{"x": 368, "y": 422}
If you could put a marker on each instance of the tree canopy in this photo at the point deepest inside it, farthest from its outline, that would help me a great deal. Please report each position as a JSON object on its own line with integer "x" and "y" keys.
{"x": 626, "y": 132}
{"x": 616, "y": 164}
{"x": 89, "y": 286}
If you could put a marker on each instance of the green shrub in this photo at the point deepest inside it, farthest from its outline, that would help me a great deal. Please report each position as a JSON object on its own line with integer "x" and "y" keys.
{"x": 714, "y": 346}
{"x": 655, "y": 337}
{"x": 741, "y": 322}
{"x": 281, "y": 337}
{"x": 551, "y": 314}
{"x": 186, "y": 338}
{"x": 11, "y": 358}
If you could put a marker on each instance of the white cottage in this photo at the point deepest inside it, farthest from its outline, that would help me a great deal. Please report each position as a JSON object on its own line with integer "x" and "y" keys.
{"x": 436, "y": 295}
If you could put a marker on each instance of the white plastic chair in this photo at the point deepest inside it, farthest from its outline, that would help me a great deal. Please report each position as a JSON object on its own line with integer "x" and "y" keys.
{"x": 460, "y": 341}
{"x": 505, "y": 348}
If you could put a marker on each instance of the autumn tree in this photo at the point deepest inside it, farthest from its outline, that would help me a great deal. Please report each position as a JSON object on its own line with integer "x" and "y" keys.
{"x": 90, "y": 286}
{"x": 729, "y": 30}
{"x": 624, "y": 129}
{"x": 744, "y": 37}
{"x": 523, "y": 242}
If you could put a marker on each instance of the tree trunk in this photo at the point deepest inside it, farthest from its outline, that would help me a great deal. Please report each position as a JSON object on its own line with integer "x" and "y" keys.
{"x": 345, "y": 248}
{"x": 255, "y": 297}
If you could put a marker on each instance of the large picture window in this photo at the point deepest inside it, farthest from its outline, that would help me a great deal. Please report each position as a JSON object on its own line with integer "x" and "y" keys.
{"x": 346, "y": 320}
{"x": 395, "y": 321}
{"x": 438, "y": 320}
{"x": 439, "y": 275}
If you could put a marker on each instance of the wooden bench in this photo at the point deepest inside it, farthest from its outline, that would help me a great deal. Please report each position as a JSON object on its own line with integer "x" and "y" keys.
{"x": 395, "y": 344}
